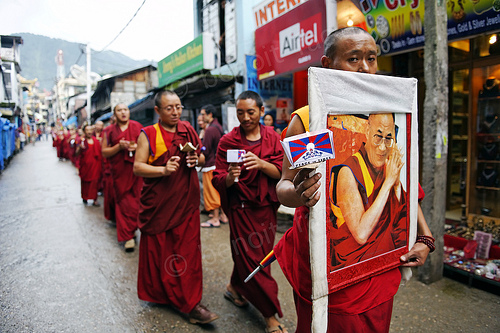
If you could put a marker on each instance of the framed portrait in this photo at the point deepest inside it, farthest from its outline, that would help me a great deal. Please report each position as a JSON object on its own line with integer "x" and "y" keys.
{"x": 367, "y": 214}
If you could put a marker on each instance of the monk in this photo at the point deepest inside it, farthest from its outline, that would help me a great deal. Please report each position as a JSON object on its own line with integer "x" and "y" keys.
{"x": 73, "y": 142}
{"x": 170, "y": 269}
{"x": 107, "y": 182}
{"x": 65, "y": 146}
{"x": 90, "y": 157}
{"x": 98, "y": 128}
{"x": 367, "y": 305}
{"x": 251, "y": 205}
{"x": 119, "y": 145}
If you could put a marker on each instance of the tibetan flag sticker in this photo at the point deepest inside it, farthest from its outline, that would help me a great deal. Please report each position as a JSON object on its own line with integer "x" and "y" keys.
{"x": 309, "y": 148}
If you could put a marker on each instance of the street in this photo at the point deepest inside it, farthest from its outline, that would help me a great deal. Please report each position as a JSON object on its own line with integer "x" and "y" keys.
{"x": 62, "y": 270}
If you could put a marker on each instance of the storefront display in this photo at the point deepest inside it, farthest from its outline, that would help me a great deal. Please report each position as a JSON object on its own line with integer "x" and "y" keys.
{"x": 473, "y": 251}
{"x": 485, "y": 157}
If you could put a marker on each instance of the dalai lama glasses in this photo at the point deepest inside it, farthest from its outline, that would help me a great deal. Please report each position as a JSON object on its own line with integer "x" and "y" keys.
{"x": 378, "y": 139}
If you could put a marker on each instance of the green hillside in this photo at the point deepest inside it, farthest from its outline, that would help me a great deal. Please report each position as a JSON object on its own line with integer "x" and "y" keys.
{"x": 38, "y": 59}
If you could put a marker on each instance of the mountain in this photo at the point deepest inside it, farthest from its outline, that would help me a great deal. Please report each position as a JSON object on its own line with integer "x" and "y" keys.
{"x": 38, "y": 59}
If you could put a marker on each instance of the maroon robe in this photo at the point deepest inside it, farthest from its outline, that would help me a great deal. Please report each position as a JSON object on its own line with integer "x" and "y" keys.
{"x": 90, "y": 168}
{"x": 251, "y": 205}
{"x": 127, "y": 186}
{"x": 58, "y": 140}
{"x": 72, "y": 144}
{"x": 170, "y": 269}
{"x": 365, "y": 304}
{"x": 108, "y": 189}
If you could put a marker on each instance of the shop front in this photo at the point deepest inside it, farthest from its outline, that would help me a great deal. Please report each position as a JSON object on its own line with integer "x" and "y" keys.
{"x": 473, "y": 181}
{"x": 285, "y": 47}
{"x": 187, "y": 72}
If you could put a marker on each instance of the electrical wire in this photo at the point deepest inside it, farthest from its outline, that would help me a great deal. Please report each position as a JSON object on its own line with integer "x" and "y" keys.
{"x": 124, "y": 27}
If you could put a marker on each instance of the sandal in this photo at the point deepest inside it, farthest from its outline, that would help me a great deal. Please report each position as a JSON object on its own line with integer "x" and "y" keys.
{"x": 276, "y": 329}
{"x": 238, "y": 301}
{"x": 209, "y": 225}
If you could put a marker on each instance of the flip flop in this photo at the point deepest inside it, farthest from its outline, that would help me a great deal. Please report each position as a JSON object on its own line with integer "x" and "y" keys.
{"x": 223, "y": 222}
{"x": 238, "y": 301}
{"x": 274, "y": 329}
{"x": 209, "y": 225}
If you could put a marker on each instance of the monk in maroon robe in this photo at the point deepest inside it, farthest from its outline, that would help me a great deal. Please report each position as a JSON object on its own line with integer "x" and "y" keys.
{"x": 98, "y": 133}
{"x": 73, "y": 142}
{"x": 119, "y": 145}
{"x": 170, "y": 269}
{"x": 251, "y": 204}
{"x": 90, "y": 156}
{"x": 367, "y": 305}
{"x": 108, "y": 189}
{"x": 58, "y": 143}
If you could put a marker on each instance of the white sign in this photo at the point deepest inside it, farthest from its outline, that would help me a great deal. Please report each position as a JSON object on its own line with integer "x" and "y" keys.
{"x": 269, "y": 10}
{"x": 294, "y": 38}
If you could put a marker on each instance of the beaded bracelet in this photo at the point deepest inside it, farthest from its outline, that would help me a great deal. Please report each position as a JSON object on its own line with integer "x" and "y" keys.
{"x": 427, "y": 240}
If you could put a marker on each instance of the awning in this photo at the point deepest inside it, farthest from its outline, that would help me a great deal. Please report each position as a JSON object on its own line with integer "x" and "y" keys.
{"x": 202, "y": 83}
{"x": 6, "y": 112}
{"x": 73, "y": 120}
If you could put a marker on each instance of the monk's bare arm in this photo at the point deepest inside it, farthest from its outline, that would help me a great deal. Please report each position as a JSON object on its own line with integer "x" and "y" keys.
{"x": 296, "y": 188}
{"x": 143, "y": 169}
{"x": 108, "y": 152}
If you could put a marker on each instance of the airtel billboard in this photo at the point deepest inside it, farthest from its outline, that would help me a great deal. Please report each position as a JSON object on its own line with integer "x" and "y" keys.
{"x": 291, "y": 42}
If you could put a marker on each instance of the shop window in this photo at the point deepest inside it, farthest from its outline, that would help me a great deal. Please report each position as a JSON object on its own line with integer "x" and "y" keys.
{"x": 458, "y": 133}
{"x": 128, "y": 86}
{"x": 459, "y": 51}
{"x": 140, "y": 87}
{"x": 485, "y": 147}
{"x": 6, "y": 72}
{"x": 118, "y": 86}
{"x": 487, "y": 45}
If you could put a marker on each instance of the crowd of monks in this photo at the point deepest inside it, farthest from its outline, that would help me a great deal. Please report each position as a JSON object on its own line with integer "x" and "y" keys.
{"x": 124, "y": 158}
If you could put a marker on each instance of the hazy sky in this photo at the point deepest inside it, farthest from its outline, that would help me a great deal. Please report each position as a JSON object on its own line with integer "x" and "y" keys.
{"x": 159, "y": 28}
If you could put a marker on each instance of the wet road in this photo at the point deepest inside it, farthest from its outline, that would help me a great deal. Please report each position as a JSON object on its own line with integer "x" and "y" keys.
{"x": 61, "y": 270}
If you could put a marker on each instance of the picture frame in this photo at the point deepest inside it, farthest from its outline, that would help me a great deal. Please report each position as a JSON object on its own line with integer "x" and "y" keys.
{"x": 350, "y": 96}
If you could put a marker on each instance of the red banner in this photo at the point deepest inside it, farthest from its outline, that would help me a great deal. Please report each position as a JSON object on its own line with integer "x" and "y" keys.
{"x": 291, "y": 42}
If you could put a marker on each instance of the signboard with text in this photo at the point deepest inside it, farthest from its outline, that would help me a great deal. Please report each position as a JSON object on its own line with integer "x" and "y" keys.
{"x": 398, "y": 26}
{"x": 268, "y": 10}
{"x": 191, "y": 58}
{"x": 291, "y": 42}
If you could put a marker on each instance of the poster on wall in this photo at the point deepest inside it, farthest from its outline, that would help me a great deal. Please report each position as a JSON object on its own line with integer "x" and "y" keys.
{"x": 277, "y": 93}
{"x": 398, "y": 26}
{"x": 367, "y": 214}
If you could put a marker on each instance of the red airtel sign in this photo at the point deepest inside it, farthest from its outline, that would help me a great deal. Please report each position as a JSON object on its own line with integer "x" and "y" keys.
{"x": 291, "y": 42}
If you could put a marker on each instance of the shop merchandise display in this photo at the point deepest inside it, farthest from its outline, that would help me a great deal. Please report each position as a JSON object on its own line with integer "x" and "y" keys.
{"x": 473, "y": 249}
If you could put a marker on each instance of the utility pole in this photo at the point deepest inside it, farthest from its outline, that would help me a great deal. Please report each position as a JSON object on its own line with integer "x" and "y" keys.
{"x": 89, "y": 106}
{"x": 435, "y": 133}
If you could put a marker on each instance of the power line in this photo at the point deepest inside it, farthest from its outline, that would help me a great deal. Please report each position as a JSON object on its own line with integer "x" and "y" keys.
{"x": 124, "y": 26}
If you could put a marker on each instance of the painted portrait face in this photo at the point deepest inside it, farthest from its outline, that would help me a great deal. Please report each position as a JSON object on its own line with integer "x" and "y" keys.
{"x": 380, "y": 138}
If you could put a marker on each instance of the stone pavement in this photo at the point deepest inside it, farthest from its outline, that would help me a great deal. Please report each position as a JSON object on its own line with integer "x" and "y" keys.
{"x": 61, "y": 269}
